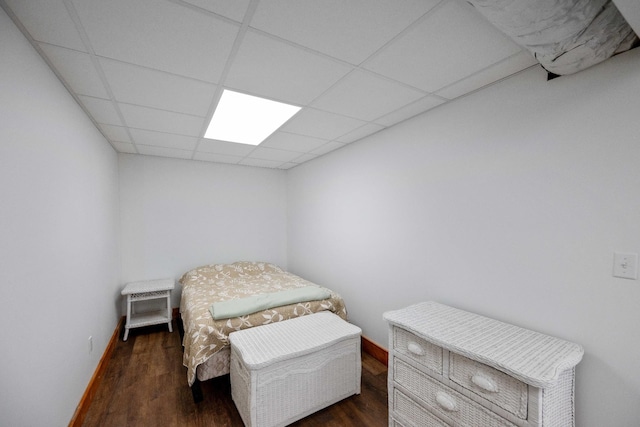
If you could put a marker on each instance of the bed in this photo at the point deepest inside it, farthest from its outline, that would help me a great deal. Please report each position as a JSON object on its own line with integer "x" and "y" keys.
{"x": 205, "y": 340}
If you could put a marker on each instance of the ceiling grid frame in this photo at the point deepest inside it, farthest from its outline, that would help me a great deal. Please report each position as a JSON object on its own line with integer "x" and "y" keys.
{"x": 349, "y": 104}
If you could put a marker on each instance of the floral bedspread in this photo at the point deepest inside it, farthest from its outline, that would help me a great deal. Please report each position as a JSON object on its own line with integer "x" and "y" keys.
{"x": 201, "y": 287}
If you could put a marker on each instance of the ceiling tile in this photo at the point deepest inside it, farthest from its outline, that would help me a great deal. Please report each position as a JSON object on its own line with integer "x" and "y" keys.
{"x": 277, "y": 70}
{"x": 115, "y": 133}
{"x": 454, "y": 42}
{"x": 77, "y": 69}
{"x": 124, "y": 147}
{"x": 224, "y": 147}
{"x": 48, "y": 21}
{"x": 321, "y": 124}
{"x": 329, "y": 146}
{"x": 231, "y": 9}
{"x": 160, "y": 120}
{"x": 220, "y": 158}
{"x": 148, "y": 71}
{"x": 293, "y": 142}
{"x": 150, "y": 88}
{"x": 408, "y": 111}
{"x": 161, "y": 35}
{"x": 361, "y": 132}
{"x": 502, "y": 69}
{"x": 102, "y": 110}
{"x": 288, "y": 165}
{"x": 305, "y": 158}
{"x": 159, "y": 139}
{"x": 364, "y": 96}
{"x": 164, "y": 152}
{"x": 273, "y": 154}
{"x": 260, "y": 163}
{"x": 349, "y": 30}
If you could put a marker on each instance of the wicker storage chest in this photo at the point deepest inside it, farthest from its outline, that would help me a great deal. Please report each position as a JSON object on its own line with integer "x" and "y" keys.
{"x": 448, "y": 367}
{"x": 284, "y": 371}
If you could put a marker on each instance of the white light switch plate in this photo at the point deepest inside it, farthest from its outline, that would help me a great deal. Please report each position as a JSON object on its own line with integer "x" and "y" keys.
{"x": 625, "y": 265}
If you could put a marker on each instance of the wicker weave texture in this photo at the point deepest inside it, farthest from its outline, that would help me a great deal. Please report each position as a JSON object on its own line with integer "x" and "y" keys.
{"x": 558, "y": 407}
{"x": 529, "y": 356}
{"x": 510, "y": 394}
{"x": 148, "y": 286}
{"x": 415, "y": 414}
{"x": 288, "y": 370}
{"x": 267, "y": 344}
{"x": 467, "y": 412}
{"x": 418, "y": 349}
{"x": 530, "y": 383}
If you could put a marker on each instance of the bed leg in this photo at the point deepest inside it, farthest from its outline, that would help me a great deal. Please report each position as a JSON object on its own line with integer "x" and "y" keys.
{"x": 180, "y": 329}
{"x": 196, "y": 391}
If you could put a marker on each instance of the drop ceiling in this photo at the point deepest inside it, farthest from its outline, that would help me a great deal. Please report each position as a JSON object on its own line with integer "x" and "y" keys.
{"x": 149, "y": 73}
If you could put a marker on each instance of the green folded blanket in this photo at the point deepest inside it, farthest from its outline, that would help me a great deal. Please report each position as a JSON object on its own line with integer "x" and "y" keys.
{"x": 255, "y": 303}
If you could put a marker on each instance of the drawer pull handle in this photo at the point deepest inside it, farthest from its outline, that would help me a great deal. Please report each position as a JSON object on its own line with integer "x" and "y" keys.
{"x": 487, "y": 384}
{"x": 447, "y": 402}
{"x": 415, "y": 348}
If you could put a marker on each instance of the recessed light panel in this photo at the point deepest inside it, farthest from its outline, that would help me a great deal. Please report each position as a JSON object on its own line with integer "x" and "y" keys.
{"x": 247, "y": 119}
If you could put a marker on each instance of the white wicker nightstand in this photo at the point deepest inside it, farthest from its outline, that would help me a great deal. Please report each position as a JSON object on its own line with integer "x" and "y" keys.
{"x": 143, "y": 291}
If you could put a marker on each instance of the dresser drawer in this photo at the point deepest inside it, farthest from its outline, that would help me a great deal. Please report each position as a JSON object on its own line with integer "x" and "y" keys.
{"x": 417, "y": 349}
{"x": 415, "y": 415}
{"x": 495, "y": 386}
{"x": 444, "y": 401}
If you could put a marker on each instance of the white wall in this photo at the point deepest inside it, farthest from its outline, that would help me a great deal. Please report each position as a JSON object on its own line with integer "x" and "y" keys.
{"x": 509, "y": 203}
{"x": 58, "y": 240}
{"x": 178, "y": 214}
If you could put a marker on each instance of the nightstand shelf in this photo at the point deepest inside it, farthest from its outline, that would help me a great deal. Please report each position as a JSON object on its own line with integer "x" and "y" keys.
{"x": 145, "y": 291}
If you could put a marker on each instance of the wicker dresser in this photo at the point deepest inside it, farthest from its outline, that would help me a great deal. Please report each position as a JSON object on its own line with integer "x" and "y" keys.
{"x": 448, "y": 367}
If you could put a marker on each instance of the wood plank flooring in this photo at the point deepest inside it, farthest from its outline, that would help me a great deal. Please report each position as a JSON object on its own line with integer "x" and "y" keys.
{"x": 145, "y": 384}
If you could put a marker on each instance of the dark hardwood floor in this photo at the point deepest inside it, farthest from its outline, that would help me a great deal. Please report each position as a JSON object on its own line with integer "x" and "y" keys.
{"x": 145, "y": 384}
